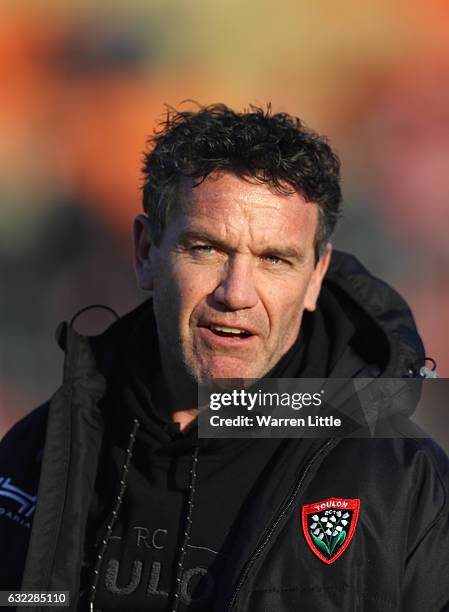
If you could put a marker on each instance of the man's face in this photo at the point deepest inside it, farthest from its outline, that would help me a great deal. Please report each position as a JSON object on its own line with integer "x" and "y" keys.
{"x": 231, "y": 278}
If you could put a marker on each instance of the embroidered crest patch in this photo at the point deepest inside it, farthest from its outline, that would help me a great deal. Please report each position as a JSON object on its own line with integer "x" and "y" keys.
{"x": 329, "y": 526}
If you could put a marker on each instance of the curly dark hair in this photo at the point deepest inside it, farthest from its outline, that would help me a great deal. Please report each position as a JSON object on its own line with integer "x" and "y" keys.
{"x": 276, "y": 149}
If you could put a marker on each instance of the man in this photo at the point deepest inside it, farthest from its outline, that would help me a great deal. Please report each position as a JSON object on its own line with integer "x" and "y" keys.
{"x": 134, "y": 509}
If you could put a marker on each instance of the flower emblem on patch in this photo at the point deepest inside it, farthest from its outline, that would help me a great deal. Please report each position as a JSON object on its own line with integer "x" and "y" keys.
{"x": 329, "y": 526}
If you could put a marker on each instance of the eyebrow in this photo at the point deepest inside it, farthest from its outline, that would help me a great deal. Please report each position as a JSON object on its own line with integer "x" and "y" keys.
{"x": 193, "y": 235}
{"x": 286, "y": 252}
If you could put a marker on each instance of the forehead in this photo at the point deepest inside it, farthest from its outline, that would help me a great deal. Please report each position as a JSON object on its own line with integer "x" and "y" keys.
{"x": 228, "y": 204}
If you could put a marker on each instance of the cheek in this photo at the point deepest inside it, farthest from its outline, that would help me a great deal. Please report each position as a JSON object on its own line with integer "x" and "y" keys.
{"x": 285, "y": 299}
{"x": 190, "y": 289}
{"x": 285, "y": 309}
{"x": 188, "y": 280}
{"x": 167, "y": 297}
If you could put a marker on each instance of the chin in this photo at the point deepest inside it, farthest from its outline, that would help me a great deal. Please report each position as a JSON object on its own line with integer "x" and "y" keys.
{"x": 226, "y": 369}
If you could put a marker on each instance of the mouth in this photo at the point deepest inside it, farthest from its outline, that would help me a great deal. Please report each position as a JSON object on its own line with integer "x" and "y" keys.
{"x": 224, "y": 331}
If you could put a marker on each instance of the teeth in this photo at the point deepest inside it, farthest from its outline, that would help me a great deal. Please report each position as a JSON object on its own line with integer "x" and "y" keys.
{"x": 228, "y": 330}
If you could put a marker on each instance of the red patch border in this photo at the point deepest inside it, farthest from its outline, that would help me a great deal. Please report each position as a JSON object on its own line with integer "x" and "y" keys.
{"x": 353, "y": 504}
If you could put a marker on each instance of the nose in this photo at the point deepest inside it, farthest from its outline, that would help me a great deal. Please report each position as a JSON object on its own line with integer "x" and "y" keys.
{"x": 237, "y": 290}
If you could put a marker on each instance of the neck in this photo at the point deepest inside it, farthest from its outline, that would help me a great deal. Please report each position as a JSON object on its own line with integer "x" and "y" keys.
{"x": 184, "y": 417}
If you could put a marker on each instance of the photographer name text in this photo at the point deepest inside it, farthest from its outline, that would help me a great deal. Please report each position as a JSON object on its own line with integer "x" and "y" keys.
{"x": 269, "y": 421}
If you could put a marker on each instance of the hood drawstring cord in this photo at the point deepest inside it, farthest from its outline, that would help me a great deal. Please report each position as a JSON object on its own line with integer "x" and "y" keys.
{"x": 86, "y": 308}
{"x": 187, "y": 530}
{"x": 114, "y": 513}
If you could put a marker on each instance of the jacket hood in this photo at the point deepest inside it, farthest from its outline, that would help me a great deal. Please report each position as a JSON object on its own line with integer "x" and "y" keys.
{"x": 385, "y": 327}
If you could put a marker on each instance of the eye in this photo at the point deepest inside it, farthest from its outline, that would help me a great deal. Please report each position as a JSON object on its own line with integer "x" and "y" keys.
{"x": 202, "y": 248}
{"x": 273, "y": 260}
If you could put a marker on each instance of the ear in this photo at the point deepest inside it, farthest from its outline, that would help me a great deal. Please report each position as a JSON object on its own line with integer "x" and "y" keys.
{"x": 142, "y": 247}
{"x": 314, "y": 287}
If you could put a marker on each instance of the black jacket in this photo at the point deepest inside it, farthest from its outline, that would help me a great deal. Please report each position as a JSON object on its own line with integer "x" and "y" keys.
{"x": 398, "y": 557}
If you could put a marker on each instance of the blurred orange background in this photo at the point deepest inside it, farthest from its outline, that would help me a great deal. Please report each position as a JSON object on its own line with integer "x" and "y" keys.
{"x": 85, "y": 83}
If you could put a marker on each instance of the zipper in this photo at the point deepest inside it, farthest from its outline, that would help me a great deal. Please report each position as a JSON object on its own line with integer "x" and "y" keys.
{"x": 113, "y": 517}
{"x": 323, "y": 450}
{"x": 187, "y": 529}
